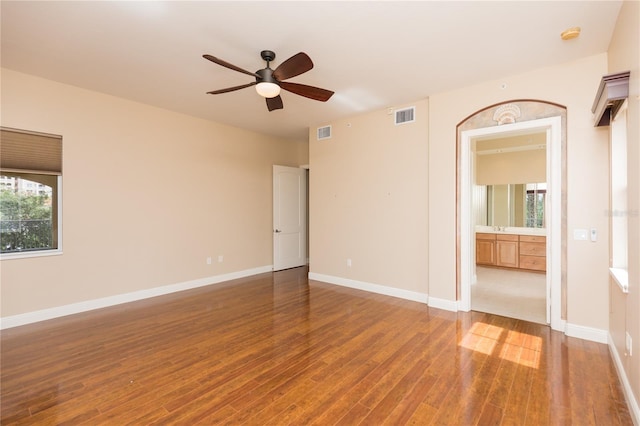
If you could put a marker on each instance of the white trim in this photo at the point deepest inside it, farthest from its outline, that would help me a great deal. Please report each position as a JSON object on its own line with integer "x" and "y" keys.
{"x": 29, "y": 254}
{"x": 372, "y": 288}
{"x": 632, "y": 402}
{"x": 512, "y": 149}
{"x": 433, "y": 302}
{"x": 553, "y": 128}
{"x": 88, "y": 305}
{"x": 553, "y": 218}
{"x": 444, "y": 304}
{"x": 586, "y": 333}
{"x": 59, "y": 190}
{"x": 621, "y": 277}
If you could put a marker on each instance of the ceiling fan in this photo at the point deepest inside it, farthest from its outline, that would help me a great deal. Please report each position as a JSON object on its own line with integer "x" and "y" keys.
{"x": 269, "y": 82}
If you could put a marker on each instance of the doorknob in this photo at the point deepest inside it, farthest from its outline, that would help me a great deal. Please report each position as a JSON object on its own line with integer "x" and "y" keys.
{"x": 277, "y": 231}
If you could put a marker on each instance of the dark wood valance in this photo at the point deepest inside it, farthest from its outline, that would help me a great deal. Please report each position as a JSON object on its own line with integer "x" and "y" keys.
{"x": 613, "y": 90}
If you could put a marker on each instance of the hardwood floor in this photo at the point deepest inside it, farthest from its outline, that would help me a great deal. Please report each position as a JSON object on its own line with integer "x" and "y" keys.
{"x": 277, "y": 349}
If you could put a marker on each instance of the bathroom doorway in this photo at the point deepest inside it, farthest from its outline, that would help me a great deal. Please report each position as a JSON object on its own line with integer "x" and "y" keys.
{"x": 509, "y": 214}
{"x": 508, "y": 237}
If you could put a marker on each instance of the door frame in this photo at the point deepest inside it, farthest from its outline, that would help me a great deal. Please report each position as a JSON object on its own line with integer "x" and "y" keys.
{"x": 553, "y": 128}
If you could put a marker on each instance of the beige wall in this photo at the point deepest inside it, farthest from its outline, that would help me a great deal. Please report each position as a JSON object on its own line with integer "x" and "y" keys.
{"x": 368, "y": 200}
{"x": 351, "y": 174}
{"x": 573, "y": 85}
{"x": 148, "y": 195}
{"x": 625, "y": 310}
{"x": 512, "y": 167}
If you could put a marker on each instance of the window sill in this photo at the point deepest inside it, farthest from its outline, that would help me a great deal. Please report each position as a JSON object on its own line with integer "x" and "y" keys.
{"x": 30, "y": 254}
{"x": 621, "y": 277}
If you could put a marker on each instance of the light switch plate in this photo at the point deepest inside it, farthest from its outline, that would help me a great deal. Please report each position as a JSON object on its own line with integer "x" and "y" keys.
{"x": 580, "y": 234}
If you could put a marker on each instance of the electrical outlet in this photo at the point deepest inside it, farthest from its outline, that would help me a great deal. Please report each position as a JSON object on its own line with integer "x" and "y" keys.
{"x": 220, "y": 258}
{"x": 209, "y": 260}
{"x": 349, "y": 263}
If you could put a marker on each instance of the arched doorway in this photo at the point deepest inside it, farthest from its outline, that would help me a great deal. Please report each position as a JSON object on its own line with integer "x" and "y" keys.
{"x": 510, "y": 118}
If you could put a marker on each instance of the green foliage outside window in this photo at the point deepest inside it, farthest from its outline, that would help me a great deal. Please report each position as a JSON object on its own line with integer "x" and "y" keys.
{"x": 25, "y": 221}
{"x": 535, "y": 209}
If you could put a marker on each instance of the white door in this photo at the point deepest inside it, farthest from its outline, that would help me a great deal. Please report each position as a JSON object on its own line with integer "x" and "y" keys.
{"x": 289, "y": 217}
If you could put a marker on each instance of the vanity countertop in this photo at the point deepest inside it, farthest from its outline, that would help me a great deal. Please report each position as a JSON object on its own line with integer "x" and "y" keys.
{"x": 510, "y": 230}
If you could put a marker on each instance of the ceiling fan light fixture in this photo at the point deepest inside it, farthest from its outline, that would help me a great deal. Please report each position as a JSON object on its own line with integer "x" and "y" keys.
{"x": 267, "y": 90}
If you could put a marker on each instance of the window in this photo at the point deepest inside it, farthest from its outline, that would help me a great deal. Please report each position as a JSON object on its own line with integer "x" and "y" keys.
{"x": 30, "y": 183}
{"x": 619, "y": 212}
{"x": 535, "y": 198}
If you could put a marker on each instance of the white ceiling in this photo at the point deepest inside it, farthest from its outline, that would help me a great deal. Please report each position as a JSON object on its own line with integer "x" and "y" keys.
{"x": 372, "y": 54}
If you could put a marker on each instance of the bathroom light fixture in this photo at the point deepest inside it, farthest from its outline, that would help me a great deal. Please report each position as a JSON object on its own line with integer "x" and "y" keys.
{"x": 267, "y": 90}
{"x": 570, "y": 33}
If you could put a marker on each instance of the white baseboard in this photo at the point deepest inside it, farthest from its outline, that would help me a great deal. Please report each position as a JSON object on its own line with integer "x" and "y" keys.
{"x": 447, "y": 305}
{"x": 632, "y": 402}
{"x": 372, "y": 288}
{"x": 586, "y": 333}
{"x": 88, "y": 305}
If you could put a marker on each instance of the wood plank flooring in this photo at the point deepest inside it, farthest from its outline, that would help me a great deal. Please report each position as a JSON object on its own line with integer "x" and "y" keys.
{"x": 277, "y": 349}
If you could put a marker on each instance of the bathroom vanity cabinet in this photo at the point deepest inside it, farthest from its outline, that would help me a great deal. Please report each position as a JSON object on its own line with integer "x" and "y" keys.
{"x": 507, "y": 251}
{"x": 512, "y": 251}
{"x": 485, "y": 249}
{"x": 533, "y": 252}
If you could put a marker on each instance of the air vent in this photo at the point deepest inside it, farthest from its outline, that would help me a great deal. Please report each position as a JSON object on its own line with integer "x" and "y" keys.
{"x": 405, "y": 115}
{"x": 324, "y": 133}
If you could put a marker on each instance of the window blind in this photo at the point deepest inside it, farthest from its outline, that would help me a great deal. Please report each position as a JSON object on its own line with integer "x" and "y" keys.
{"x": 30, "y": 152}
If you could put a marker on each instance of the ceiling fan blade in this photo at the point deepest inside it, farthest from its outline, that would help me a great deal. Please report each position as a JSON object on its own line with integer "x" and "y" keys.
{"x": 231, "y": 89}
{"x": 228, "y": 65}
{"x": 310, "y": 92}
{"x": 295, "y": 65}
{"x": 274, "y": 103}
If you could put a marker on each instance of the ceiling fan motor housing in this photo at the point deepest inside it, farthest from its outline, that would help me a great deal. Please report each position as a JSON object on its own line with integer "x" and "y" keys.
{"x": 266, "y": 76}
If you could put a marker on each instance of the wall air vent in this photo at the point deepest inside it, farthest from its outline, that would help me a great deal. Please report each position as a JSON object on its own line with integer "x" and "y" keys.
{"x": 613, "y": 90}
{"x": 405, "y": 115}
{"x": 324, "y": 133}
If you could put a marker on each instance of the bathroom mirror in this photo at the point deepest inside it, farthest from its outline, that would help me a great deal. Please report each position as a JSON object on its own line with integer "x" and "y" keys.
{"x": 511, "y": 205}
